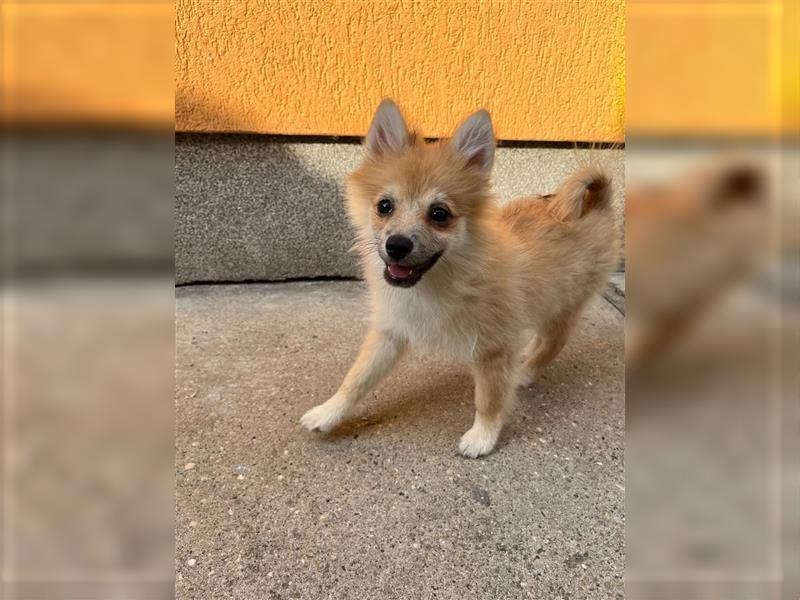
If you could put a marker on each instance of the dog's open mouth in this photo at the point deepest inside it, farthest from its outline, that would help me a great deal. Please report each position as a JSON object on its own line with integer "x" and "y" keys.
{"x": 404, "y": 276}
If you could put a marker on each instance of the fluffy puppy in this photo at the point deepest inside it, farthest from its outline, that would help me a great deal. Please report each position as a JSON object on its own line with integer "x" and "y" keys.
{"x": 452, "y": 272}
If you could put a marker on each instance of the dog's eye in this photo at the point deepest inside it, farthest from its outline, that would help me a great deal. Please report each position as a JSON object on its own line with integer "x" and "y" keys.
{"x": 385, "y": 206}
{"x": 439, "y": 214}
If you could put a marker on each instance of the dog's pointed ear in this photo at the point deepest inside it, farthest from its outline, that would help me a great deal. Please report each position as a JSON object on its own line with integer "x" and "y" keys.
{"x": 388, "y": 132}
{"x": 474, "y": 140}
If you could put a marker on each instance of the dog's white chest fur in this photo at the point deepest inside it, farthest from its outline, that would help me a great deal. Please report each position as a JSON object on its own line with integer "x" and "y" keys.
{"x": 431, "y": 322}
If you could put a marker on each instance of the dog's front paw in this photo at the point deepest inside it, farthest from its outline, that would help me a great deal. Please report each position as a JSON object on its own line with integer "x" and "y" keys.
{"x": 325, "y": 417}
{"x": 480, "y": 440}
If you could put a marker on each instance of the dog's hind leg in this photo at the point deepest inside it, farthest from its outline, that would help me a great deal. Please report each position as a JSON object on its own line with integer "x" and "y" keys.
{"x": 524, "y": 377}
{"x": 549, "y": 342}
{"x": 530, "y": 349}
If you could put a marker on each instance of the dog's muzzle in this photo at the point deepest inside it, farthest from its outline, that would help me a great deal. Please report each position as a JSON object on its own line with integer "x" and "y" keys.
{"x": 407, "y": 276}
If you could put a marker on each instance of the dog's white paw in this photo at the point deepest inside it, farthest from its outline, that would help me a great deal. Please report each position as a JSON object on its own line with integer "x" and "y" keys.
{"x": 325, "y": 417}
{"x": 479, "y": 441}
{"x": 526, "y": 377}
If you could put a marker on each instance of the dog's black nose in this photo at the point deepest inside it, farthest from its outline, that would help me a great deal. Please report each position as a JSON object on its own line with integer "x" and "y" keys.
{"x": 398, "y": 246}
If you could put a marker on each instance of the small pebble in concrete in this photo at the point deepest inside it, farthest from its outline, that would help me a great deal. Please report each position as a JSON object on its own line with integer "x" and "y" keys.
{"x": 577, "y": 559}
{"x": 482, "y": 496}
{"x": 188, "y": 466}
{"x": 191, "y": 562}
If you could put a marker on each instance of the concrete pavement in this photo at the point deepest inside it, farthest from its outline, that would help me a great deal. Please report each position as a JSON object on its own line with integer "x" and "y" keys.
{"x": 385, "y": 507}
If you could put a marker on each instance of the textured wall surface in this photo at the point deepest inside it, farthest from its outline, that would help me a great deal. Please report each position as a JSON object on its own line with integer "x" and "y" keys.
{"x": 548, "y": 70}
{"x": 262, "y": 208}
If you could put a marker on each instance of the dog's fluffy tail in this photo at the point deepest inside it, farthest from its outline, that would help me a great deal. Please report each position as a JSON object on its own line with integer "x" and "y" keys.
{"x": 588, "y": 189}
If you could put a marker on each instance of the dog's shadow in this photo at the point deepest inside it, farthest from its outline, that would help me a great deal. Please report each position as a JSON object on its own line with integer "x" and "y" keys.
{"x": 414, "y": 400}
{"x": 440, "y": 398}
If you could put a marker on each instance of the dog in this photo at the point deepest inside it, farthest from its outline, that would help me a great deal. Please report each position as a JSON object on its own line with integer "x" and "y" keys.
{"x": 451, "y": 271}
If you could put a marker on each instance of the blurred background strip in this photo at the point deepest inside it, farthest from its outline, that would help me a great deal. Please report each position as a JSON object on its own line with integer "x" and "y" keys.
{"x": 87, "y": 63}
{"x": 704, "y": 68}
{"x": 712, "y": 255}
{"x": 87, "y": 295}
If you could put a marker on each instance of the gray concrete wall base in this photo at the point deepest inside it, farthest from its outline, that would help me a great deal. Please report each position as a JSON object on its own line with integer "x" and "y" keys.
{"x": 266, "y": 208}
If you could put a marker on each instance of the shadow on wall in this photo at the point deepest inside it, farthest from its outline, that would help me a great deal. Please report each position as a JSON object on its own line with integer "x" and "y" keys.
{"x": 252, "y": 207}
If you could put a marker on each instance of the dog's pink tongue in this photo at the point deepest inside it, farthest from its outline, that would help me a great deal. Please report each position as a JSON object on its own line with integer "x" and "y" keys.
{"x": 399, "y": 271}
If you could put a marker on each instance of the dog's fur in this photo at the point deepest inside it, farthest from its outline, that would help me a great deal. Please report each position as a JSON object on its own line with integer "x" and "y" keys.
{"x": 502, "y": 272}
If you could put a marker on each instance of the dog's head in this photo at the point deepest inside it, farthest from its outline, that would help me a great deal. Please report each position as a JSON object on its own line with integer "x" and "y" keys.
{"x": 414, "y": 202}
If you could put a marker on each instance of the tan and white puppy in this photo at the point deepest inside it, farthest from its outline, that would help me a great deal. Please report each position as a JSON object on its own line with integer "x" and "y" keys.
{"x": 452, "y": 272}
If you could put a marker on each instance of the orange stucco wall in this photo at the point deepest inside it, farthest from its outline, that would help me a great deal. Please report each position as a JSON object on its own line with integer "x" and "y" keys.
{"x": 548, "y": 70}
